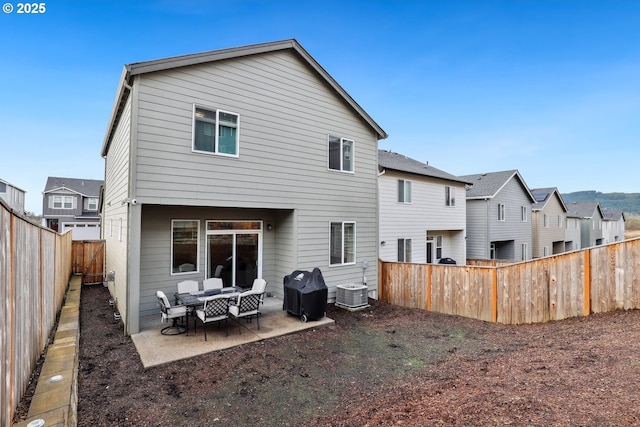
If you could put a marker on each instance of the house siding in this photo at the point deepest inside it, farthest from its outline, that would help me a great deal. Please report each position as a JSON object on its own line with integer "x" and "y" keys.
{"x": 14, "y": 197}
{"x": 115, "y": 212}
{"x": 572, "y": 235}
{"x": 426, "y": 215}
{"x": 547, "y": 236}
{"x": 512, "y": 229}
{"x": 477, "y": 229}
{"x": 286, "y": 114}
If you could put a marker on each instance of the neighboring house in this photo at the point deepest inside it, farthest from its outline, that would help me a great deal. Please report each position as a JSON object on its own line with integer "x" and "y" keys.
{"x": 13, "y": 196}
{"x": 422, "y": 211}
{"x": 498, "y": 216}
{"x": 548, "y": 218}
{"x": 589, "y": 218}
{"x": 572, "y": 234}
{"x": 613, "y": 225}
{"x": 240, "y": 163}
{"x": 72, "y": 204}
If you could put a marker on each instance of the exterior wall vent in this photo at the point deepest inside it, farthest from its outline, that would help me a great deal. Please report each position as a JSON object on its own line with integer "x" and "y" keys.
{"x": 352, "y": 296}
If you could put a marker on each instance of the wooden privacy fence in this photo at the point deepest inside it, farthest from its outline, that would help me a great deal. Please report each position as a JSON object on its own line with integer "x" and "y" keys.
{"x": 599, "y": 279}
{"x": 88, "y": 259}
{"x": 35, "y": 267}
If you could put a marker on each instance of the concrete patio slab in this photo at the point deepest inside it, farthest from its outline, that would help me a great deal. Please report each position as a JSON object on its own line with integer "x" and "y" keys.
{"x": 156, "y": 349}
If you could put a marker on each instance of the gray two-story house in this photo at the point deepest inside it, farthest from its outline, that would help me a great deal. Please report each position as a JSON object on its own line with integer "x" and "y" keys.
{"x": 549, "y": 218}
{"x": 588, "y": 218}
{"x": 72, "y": 204}
{"x": 422, "y": 211}
{"x": 498, "y": 216}
{"x": 239, "y": 163}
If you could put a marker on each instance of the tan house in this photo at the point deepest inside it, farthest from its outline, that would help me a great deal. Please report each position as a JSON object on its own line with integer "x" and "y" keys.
{"x": 241, "y": 163}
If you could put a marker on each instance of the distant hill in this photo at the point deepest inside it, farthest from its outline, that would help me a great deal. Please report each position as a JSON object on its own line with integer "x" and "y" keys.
{"x": 629, "y": 203}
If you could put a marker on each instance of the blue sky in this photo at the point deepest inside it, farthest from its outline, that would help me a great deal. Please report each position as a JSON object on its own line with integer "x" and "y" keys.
{"x": 551, "y": 88}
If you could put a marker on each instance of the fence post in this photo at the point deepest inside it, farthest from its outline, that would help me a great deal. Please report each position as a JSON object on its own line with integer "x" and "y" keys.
{"x": 428, "y": 287}
{"x": 586, "y": 306}
{"x": 494, "y": 300}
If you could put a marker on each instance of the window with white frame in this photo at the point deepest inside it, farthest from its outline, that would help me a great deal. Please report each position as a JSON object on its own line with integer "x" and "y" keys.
{"x": 342, "y": 248}
{"x": 215, "y": 131}
{"x": 92, "y": 204}
{"x": 449, "y": 196}
{"x": 523, "y": 213}
{"x": 545, "y": 251}
{"x": 404, "y": 250}
{"x": 341, "y": 156}
{"x": 439, "y": 241}
{"x": 185, "y": 237}
{"x": 559, "y": 221}
{"x": 501, "y": 216}
{"x": 61, "y": 202}
{"x": 545, "y": 220}
{"x": 525, "y": 248}
{"x": 404, "y": 191}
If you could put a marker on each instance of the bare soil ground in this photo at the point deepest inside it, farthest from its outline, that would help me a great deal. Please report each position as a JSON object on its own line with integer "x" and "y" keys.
{"x": 383, "y": 366}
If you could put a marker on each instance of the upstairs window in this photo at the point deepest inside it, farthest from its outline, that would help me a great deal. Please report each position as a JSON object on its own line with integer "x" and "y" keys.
{"x": 501, "y": 216}
{"x": 404, "y": 191}
{"x": 343, "y": 243}
{"x": 523, "y": 214}
{"x": 215, "y": 131}
{"x": 449, "y": 196}
{"x": 92, "y": 204}
{"x": 61, "y": 202}
{"x": 340, "y": 154}
{"x": 545, "y": 220}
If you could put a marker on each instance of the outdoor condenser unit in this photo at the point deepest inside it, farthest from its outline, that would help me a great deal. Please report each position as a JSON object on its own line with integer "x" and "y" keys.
{"x": 352, "y": 296}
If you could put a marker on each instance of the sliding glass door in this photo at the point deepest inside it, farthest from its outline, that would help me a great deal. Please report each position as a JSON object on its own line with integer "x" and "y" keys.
{"x": 234, "y": 251}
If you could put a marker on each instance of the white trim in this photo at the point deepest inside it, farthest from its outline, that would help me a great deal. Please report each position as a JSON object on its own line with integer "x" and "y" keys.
{"x": 342, "y": 248}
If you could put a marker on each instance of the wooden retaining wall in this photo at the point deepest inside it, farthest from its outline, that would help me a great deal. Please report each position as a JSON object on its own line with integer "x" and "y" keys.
{"x": 35, "y": 267}
{"x": 598, "y": 279}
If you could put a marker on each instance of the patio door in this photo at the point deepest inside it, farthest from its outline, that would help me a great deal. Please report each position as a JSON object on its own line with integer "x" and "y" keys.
{"x": 234, "y": 251}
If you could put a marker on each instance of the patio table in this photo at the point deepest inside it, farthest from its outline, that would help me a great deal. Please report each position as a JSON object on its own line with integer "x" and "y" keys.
{"x": 195, "y": 300}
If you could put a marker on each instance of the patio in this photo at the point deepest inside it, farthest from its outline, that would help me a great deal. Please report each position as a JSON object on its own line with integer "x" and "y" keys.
{"x": 156, "y": 349}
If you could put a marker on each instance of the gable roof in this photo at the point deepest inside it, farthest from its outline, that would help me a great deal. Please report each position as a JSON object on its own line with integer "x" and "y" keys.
{"x": 402, "y": 163}
{"x": 613, "y": 214}
{"x": 583, "y": 209}
{"x": 543, "y": 195}
{"x": 130, "y": 70}
{"x": 488, "y": 185}
{"x": 84, "y": 187}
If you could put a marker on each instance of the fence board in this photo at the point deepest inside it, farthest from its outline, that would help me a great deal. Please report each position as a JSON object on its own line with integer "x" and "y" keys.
{"x": 89, "y": 260}
{"x": 599, "y": 279}
{"x": 35, "y": 266}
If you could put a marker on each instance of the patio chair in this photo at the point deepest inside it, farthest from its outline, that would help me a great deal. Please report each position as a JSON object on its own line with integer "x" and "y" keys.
{"x": 212, "y": 283}
{"x": 218, "y": 271}
{"x": 216, "y": 309}
{"x": 260, "y": 286}
{"x": 187, "y": 286}
{"x": 247, "y": 305}
{"x": 173, "y": 313}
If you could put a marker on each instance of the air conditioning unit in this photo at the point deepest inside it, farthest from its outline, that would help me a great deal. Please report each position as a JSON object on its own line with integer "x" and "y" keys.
{"x": 352, "y": 296}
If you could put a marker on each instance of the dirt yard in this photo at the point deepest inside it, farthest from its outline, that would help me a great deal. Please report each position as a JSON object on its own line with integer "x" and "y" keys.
{"x": 384, "y": 366}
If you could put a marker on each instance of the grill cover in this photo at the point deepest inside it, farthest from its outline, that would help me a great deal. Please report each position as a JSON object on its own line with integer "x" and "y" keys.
{"x": 305, "y": 294}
